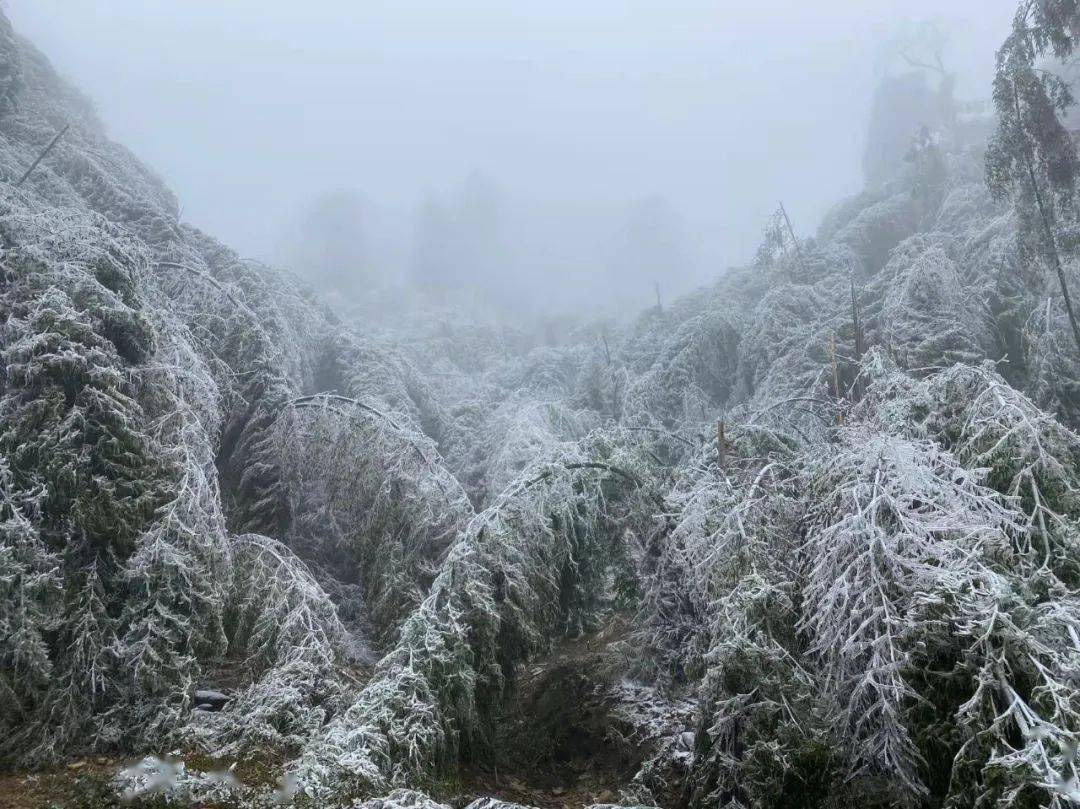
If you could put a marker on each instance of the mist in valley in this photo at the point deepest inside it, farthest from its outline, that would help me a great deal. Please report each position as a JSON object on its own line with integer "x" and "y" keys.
{"x": 539, "y": 160}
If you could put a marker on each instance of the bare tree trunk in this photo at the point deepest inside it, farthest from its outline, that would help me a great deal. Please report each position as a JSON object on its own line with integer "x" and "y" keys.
{"x": 1051, "y": 243}
{"x": 43, "y": 155}
{"x": 835, "y": 377}
{"x": 857, "y": 327}
{"x": 1048, "y": 232}
{"x": 794, "y": 241}
{"x": 721, "y": 449}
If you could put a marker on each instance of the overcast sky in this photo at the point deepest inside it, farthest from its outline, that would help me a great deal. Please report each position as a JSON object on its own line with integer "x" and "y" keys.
{"x": 250, "y": 108}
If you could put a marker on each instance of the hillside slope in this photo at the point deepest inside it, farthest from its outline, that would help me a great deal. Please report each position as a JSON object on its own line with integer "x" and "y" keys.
{"x": 805, "y": 538}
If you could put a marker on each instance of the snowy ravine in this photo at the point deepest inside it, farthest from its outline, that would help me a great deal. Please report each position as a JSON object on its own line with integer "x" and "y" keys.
{"x": 808, "y": 537}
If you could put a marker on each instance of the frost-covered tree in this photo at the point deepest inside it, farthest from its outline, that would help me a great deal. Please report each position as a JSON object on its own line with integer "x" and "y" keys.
{"x": 98, "y": 441}
{"x": 375, "y": 505}
{"x": 31, "y": 586}
{"x": 927, "y": 317}
{"x": 825, "y": 508}
{"x": 531, "y": 567}
{"x": 72, "y": 426}
{"x": 1033, "y": 157}
{"x": 285, "y": 632}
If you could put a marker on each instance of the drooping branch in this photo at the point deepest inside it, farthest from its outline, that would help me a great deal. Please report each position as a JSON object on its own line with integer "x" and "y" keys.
{"x": 586, "y": 465}
{"x": 216, "y": 284}
{"x": 321, "y": 400}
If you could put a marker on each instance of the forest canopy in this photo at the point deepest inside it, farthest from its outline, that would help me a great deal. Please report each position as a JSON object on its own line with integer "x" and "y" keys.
{"x": 809, "y": 536}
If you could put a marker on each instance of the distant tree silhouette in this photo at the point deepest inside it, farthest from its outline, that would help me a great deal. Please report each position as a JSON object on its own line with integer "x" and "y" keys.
{"x": 331, "y": 250}
{"x": 650, "y": 251}
{"x": 459, "y": 244}
{"x": 906, "y": 104}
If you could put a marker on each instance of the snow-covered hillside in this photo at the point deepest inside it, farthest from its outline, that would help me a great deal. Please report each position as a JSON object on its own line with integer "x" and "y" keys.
{"x": 808, "y": 537}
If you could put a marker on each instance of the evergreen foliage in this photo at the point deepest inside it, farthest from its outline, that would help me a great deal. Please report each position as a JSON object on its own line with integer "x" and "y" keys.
{"x": 832, "y": 498}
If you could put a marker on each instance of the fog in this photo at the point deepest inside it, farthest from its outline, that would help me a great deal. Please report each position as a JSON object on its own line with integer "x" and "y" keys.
{"x": 593, "y": 150}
